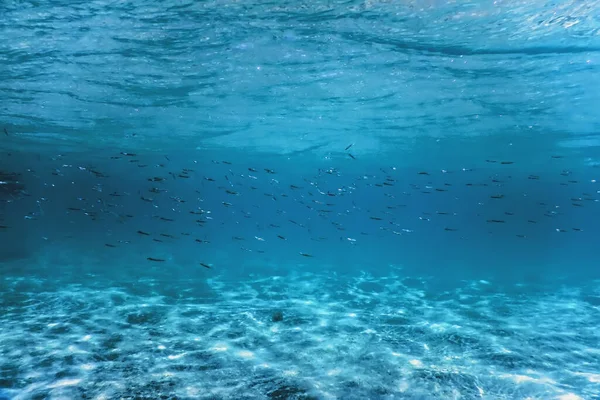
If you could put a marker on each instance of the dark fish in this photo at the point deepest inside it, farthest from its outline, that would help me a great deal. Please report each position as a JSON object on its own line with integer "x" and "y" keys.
{"x": 450, "y": 229}
{"x": 155, "y": 259}
{"x": 3, "y": 227}
{"x": 497, "y": 196}
{"x": 496, "y": 221}
{"x": 143, "y": 233}
{"x": 423, "y": 173}
{"x": 376, "y": 218}
{"x": 205, "y": 265}
{"x": 351, "y": 156}
{"x": 305, "y": 255}
{"x": 74, "y": 209}
{"x": 166, "y": 219}
{"x": 281, "y": 237}
{"x": 167, "y": 235}
{"x": 5, "y": 132}
{"x": 348, "y": 147}
{"x": 269, "y": 171}
{"x": 109, "y": 245}
{"x": 506, "y": 162}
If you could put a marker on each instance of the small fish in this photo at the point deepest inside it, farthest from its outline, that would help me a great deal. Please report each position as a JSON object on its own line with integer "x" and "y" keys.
{"x": 496, "y": 221}
{"x": 351, "y": 156}
{"x": 497, "y": 196}
{"x": 143, "y": 233}
{"x": 281, "y": 237}
{"x": 167, "y": 235}
{"x": 348, "y": 147}
{"x": 305, "y": 255}
{"x": 205, "y": 265}
{"x": 155, "y": 259}
{"x": 506, "y": 162}
{"x": 5, "y": 131}
{"x": 376, "y": 218}
{"x": 166, "y": 219}
{"x": 450, "y": 229}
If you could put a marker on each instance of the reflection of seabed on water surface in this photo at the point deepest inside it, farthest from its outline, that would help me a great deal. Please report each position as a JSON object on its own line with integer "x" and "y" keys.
{"x": 300, "y": 336}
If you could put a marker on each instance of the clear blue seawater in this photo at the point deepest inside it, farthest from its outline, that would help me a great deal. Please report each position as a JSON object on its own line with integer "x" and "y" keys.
{"x": 299, "y": 200}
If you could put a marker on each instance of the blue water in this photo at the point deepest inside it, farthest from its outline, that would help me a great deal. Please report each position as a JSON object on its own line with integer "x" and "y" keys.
{"x": 290, "y": 200}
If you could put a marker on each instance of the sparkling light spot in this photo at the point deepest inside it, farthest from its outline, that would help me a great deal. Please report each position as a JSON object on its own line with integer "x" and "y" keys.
{"x": 416, "y": 363}
{"x": 65, "y": 382}
{"x": 569, "y": 396}
{"x": 246, "y": 354}
{"x": 220, "y": 347}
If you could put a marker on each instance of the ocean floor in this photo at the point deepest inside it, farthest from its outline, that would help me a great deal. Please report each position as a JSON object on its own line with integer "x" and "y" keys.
{"x": 300, "y": 336}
